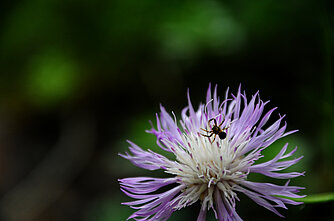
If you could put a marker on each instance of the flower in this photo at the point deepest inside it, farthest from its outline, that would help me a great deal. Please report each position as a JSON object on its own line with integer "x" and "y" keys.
{"x": 209, "y": 168}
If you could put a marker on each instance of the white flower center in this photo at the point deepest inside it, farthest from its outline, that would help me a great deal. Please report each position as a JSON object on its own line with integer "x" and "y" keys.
{"x": 203, "y": 166}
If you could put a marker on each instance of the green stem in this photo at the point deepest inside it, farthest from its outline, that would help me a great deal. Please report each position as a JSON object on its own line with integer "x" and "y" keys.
{"x": 315, "y": 198}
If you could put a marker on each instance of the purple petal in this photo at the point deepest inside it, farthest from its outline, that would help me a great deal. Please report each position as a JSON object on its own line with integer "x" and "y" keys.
{"x": 202, "y": 213}
{"x": 226, "y": 212}
{"x": 144, "y": 185}
{"x": 158, "y": 206}
{"x": 257, "y": 198}
{"x": 270, "y": 167}
{"x": 263, "y": 193}
{"x": 146, "y": 159}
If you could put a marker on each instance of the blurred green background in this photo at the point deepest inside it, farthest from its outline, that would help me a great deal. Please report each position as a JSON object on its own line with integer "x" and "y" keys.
{"x": 78, "y": 78}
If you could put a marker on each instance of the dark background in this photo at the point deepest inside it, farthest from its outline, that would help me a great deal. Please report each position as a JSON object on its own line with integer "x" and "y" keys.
{"x": 79, "y": 78}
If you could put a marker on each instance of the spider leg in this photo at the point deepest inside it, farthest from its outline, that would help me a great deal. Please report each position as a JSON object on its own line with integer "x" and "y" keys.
{"x": 214, "y": 120}
{"x": 207, "y": 135}
{"x": 205, "y": 130}
{"x": 222, "y": 121}
{"x": 214, "y": 138}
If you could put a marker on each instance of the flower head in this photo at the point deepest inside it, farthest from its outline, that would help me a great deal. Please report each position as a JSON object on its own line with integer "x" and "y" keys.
{"x": 215, "y": 148}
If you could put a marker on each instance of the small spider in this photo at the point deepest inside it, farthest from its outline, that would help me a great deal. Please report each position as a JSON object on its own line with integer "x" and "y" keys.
{"x": 215, "y": 130}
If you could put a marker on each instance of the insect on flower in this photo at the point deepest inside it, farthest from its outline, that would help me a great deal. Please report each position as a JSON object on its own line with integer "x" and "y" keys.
{"x": 215, "y": 130}
{"x": 213, "y": 174}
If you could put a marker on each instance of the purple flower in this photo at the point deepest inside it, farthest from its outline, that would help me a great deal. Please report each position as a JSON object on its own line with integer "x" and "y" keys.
{"x": 215, "y": 148}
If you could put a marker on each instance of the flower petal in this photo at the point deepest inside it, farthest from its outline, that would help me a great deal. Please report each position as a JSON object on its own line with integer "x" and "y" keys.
{"x": 270, "y": 167}
{"x": 146, "y": 159}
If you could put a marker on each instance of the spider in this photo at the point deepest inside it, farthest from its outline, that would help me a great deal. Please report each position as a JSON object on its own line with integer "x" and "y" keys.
{"x": 215, "y": 130}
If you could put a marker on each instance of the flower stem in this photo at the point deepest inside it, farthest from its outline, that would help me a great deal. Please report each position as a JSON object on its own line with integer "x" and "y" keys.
{"x": 315, "y": 198}
{"x": 318, "y": 198}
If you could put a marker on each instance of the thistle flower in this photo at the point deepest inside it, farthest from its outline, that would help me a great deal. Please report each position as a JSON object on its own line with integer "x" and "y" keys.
{"x": 208, "y": 168}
